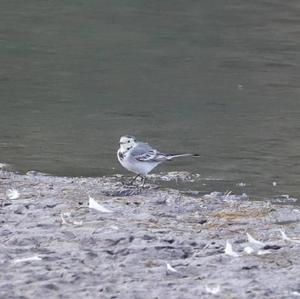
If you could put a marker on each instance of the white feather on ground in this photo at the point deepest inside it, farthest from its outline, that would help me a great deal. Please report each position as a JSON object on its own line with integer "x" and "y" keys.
{"x": 28, "y": 259}
{"x": 214, "y": 290}
{"x": 63, "y": 220}
{"x": 66, "y": 218}
{"x": 170, "y": 268}
{"x": 249, "y": 250}
{"x": 263, "y": 252}
{"x": 12, "y": 193}
{"x": 254, "y": 241}
{"x": 114, "y": 227}
{"x": 229, "y": 250}
{"x": 286, "y": 238}
{"x": 78, "y": 223}
{"x": 96, "y": 206}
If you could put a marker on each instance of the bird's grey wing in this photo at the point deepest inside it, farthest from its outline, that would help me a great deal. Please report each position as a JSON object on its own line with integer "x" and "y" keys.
{"x": 145, "y": 153}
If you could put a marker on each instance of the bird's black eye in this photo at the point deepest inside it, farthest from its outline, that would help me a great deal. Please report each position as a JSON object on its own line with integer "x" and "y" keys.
{"x": 128, "y": 141}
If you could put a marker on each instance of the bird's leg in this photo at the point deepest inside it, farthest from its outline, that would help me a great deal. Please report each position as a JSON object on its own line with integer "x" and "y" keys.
{"x": 143, "y": 183}
{"x": 131, "y": 182}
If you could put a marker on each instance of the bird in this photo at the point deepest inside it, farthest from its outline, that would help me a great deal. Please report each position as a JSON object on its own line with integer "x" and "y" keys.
{"x": 140, "y": 158}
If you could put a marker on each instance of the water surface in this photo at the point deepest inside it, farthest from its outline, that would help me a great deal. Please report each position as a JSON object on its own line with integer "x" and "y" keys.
{"x": 216, "y": 78}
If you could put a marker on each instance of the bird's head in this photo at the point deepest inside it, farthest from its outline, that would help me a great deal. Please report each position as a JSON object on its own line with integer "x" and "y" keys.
{"x": 127, "y": 142}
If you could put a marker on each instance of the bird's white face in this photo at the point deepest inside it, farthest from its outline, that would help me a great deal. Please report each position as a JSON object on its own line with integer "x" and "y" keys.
{"x": 127, "y": 142}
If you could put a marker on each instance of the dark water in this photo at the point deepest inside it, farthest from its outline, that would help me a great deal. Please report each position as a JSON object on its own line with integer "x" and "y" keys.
{"x": 218, "y": 78}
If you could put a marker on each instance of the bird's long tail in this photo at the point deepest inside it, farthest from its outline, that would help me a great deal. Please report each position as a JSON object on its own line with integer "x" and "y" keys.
{"x": 172, "y": 156}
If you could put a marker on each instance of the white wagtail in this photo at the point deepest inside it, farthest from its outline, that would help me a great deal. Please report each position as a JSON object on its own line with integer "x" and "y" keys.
{"x": 140, "y": 157}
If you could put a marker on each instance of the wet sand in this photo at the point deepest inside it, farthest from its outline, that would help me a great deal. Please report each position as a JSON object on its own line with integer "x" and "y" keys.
{"x": 156, "y": 243}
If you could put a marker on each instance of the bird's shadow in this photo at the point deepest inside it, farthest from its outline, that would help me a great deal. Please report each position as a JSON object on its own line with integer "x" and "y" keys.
{"x": 128, "y": 189}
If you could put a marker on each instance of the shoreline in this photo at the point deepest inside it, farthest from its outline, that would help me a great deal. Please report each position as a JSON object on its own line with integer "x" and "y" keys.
{"x": 156, "y": 243}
